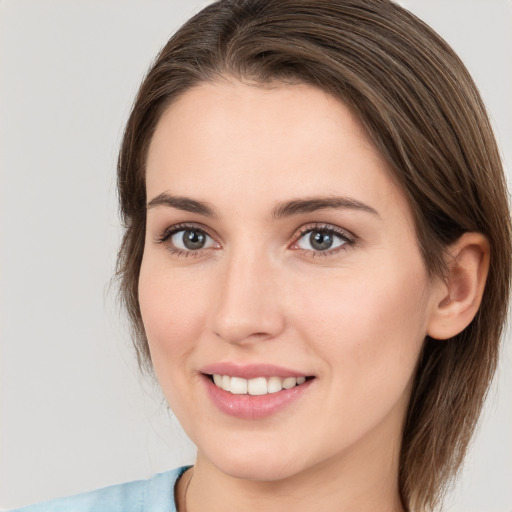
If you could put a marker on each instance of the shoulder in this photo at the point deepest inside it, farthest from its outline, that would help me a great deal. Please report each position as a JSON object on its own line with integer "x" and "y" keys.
{"x": 153, "y": 495}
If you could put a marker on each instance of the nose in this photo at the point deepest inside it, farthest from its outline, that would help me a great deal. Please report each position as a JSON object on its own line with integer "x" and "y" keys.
{"x": 248, "y": 308}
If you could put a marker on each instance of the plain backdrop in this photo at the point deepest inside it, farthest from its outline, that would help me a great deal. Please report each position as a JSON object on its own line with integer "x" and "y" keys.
{"x": 75, "y": 412}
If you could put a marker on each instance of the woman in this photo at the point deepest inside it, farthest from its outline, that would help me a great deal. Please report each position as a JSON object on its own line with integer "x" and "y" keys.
{"x": 316, "y": 258}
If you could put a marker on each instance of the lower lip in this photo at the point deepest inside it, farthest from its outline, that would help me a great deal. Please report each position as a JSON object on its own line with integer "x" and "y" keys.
{"x": 254, "y": 406}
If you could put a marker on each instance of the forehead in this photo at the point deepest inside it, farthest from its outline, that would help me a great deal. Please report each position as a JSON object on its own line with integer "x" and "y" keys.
{"x": 227, "y": 142}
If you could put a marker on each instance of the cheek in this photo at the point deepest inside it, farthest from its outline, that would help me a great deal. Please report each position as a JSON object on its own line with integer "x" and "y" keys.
{"x": 369, "y": 326}
{"x": 172, "y": 309}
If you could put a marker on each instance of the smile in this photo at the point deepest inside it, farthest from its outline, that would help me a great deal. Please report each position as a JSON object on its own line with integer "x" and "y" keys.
{"x": 255, "y": 397}
{"x": 256, "y": 386}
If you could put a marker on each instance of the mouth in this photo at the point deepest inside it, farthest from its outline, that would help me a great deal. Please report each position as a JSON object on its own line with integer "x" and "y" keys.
{"x": 256, "y": 390}
{"x": 256, "y": 386}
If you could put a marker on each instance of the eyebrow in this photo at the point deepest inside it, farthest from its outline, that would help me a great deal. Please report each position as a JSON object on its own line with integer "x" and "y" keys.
{"x": 308, "y": 205}
{"x": 282, "y": 210}
{"x": 181, "y": 203}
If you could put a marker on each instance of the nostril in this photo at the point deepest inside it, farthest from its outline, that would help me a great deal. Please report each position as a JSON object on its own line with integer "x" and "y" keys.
{"x": 241, "y": 336}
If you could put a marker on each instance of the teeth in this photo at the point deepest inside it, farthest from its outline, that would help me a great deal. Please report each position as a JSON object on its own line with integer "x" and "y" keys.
{"x": 274, "y": 385}
{"x": 238, "y": 386}
{"x": 256, "y": 386}
{"x": 289, "y": 382}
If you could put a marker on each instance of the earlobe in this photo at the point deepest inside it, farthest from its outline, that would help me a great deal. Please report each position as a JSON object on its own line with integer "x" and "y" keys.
{"x": 460, "y": 292}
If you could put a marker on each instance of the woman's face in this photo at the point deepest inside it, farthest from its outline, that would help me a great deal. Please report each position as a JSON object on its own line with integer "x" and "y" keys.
{"x": 279, "y": 248}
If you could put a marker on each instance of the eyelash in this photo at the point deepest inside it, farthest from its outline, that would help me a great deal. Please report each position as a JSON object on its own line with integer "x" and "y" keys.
{"x": 348, "y": 239}
{"x": 165, "y": 237}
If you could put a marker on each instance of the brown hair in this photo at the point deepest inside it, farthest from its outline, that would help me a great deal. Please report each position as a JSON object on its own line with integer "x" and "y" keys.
{"x": 423, "y": 111}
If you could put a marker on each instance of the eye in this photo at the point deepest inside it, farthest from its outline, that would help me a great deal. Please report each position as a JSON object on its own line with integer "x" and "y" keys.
{"x": 322, "y": 239}
{"x": 191, "y": 240}
{"x": 186, "y": 240}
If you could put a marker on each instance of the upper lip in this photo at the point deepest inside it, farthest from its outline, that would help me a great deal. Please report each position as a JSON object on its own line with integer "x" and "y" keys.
{"x": 250, "y": 371}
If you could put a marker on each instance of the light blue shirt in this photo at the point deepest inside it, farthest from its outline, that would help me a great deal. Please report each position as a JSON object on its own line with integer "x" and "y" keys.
{"x": 153, "y": 495}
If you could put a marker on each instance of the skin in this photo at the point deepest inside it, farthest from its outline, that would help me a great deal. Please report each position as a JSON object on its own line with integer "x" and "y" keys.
{"x": 354, "y": 317}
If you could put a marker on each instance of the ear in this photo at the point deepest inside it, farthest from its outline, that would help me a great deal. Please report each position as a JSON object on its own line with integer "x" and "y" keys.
{"x": 459, "y": 294}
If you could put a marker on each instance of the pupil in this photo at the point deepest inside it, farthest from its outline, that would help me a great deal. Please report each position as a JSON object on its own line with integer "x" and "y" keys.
{"x": 320, "y": 241}
{"x": 193, "y": 239}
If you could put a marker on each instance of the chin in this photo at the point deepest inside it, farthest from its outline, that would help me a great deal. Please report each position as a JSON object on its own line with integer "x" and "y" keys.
{"x": 257, "y": 471}
{"x": 254, "y": 465}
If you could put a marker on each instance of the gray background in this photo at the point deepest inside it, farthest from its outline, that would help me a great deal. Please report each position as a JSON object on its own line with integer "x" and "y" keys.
{"x": 75, "y": 413}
